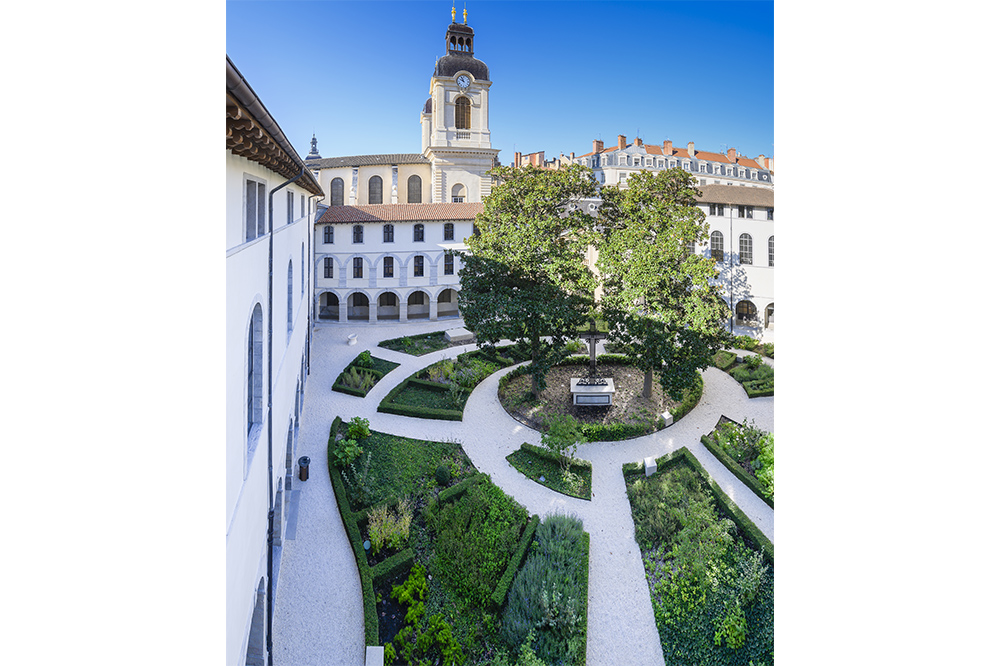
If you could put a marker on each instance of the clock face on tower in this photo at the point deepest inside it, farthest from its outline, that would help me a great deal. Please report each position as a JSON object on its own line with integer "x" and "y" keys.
{"x": 463, "y": 82}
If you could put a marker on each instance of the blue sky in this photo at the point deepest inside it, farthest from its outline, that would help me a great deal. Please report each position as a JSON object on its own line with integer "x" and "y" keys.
{"x": 564, "y": 73}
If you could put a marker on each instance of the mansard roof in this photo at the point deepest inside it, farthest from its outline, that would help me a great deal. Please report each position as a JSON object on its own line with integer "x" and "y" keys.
{"x": 368, "y": 160}
{"x": 421, "y": 212}
{"x": 452, "y": 64}
{"x": 736, "y": 195}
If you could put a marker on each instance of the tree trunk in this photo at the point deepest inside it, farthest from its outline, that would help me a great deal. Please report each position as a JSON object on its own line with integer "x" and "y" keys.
{"x": 647, "y": 385}
{"x": 536, "y": 390}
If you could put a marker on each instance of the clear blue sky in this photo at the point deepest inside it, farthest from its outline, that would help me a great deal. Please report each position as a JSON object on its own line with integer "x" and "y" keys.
{"x": 564, "y": 73}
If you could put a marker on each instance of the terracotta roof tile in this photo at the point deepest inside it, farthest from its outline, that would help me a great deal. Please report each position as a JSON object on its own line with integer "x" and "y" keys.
{"x": 654, "y": 150}
{"x": 367, "y": 160}
{"x": 422, "y": 212}
{"x": 734, "y": 194}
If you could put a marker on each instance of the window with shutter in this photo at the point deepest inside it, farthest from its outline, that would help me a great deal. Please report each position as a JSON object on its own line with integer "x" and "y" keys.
{"x": 449, "y": 264}
{"x": 328, "y": 235}
{"x": 328, "y": 267}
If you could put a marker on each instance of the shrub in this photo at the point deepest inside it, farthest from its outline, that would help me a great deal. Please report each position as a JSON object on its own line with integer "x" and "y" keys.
{"x": 546, "y": 605}
{"x": 476, "y": 535}
{"x": 745, "y": 342}
{"x": 473, "y": 371}
{"x": 345, "y": 452}
{"x": 358, "y": 428}
{"x": 390, "y": 528}
{"x": 752, "y": 361}
{"x": 441, "y": 372}
{"x": 442, "y": 475}
{"x": 357, "y": 379}
{"x": 575, "y": 346}
{"x": 562, "y": 435}
{"x": 360, "y": 486}
{"x": 767, "y": 349}
{"x": 364, "y": 360}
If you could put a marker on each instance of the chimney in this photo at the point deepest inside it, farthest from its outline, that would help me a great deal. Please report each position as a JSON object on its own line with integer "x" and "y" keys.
{"x": 668, "y": 147}
{"x": 572, "y": 156}
{"x": 731, "y": 154}
{"x": 621, "y": 142}
{"x": 517, "y": 160}
{"x": 690, "y": 148}
{"x": 761, "y": 160}
{"x": 637, "y": 142}
{"x": 598, "y": 146}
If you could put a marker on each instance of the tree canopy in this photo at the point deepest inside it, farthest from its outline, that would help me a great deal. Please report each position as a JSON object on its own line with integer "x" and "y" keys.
{"x": 524, "y": 277}
{"x": 658, "y": 295}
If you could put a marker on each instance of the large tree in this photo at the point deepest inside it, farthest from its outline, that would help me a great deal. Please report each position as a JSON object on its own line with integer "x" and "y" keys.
{"x": 524, "y": 277}
{"x": 658, "y": 295}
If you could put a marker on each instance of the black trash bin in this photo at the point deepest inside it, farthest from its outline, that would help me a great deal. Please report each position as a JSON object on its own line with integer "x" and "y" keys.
{"x": 304, "y": 468}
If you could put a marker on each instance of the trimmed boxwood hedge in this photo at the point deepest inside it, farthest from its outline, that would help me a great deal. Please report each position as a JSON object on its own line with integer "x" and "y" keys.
{"x": 338, "y": 386}
{"x": 500, "y": 593}
{"x": 576, "y": 466}
{"x": 723, "y": 503}
{"x": 387, "y": 405}
{"x": 749, "y": 480}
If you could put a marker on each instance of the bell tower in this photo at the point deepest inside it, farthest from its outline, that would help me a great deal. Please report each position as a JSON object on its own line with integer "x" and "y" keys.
{"x": 455, "y": 122}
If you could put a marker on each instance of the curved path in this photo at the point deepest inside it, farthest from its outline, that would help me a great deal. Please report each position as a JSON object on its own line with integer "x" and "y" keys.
{"x": 318, "y": 612}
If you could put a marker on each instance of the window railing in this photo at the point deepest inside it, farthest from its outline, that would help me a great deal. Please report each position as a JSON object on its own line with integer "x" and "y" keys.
{"x": 463, "y": 135}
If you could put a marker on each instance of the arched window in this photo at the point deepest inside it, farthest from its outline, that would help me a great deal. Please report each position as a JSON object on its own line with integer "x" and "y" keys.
{"x": 418, "y": 233}
{"x": 413, "y": 189}
{"x": 458, "y": 193}
{"x": 337, "y": 192}
{"x": 770, "y": 251}
{"x": 746, "y": 249}
{"x": 388, "y": 233}
{"x": 375, "y": 190}
{"x": 449, "y": 231}
{"x": 359, "y": 233}
{"x": 328, "y": 235}
{"x": 746, "y": 311}
{"x": 463, "y": 113}
{"x": 291, "y": 277}
{"x": 328, "y": 267}
{"x": 717, "y": 245}
{"x": 255, "y": 367}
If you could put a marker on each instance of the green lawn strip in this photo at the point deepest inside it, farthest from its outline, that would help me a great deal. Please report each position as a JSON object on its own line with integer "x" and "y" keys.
{"x": 537, "y": 463}
{"x": 417, "y": 345}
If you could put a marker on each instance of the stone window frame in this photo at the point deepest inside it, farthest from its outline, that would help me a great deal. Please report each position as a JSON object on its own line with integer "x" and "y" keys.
{"x": 717, "y": 245}
{"x": 388, "y": 233}
{"x": 418, "y": 233}
{"x": 463, "y": 113}
{"x": 387, "y": 267}
{"x": 746, "y": 249}
{"x": 328, "y": 235}
{"x": 449, "y": 231}
{"x": 418, "y": 266}
{"x": 255, "y": 224}
{"x": 358, "y": 234}
{"x": 359, "y": 268}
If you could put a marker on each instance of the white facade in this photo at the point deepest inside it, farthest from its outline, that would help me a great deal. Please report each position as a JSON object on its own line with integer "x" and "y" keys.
{"x": 267, "y": 337}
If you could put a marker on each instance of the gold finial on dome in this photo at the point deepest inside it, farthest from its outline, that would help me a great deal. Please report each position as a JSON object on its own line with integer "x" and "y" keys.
{"x": 465, "y": 16}
{"x": 453, "y": 11}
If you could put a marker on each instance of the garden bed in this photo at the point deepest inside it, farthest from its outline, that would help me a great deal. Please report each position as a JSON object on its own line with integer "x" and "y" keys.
{"x": 629, "y": 416}
{"x": 747, "y": 452}
{"x": 545, "y": 467}
{"x": 710, "y": 570}
{"x": 439, "y": 596}
{"x": 755, "y": 376}
{"x": 362, "y": 374}
{"x": 418, "y": 345}
{"x": 750, "y": 343}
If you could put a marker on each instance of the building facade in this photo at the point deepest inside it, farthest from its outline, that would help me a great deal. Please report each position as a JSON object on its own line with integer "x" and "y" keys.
{"x": 381, "y": 242}
{"x": 270, "y": 204}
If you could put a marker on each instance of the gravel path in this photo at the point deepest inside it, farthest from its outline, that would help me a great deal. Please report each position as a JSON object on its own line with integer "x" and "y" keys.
{"x": 318, "y": 613}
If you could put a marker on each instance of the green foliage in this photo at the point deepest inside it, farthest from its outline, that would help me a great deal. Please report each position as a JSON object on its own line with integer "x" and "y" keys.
{"x": 763, "y": 466}
{"x": 423, "y": 642}
{"x": 364, "y": 360}
{"x": 643, "y": 258}
{"x": 546, "y": 605}
{"x": 345, "y": 452}
{"x": 357, "y": 379}
{"x": 358, "y": 428}
{"x": 562, "y": 434}
{"x": 746, "y": 342}
{"x": 388, "y": 527}
{"x": 359, "y": 484}
{"x": 442, "y": 475}
{"x": 417, "y": 345}
{"x": 752, "y": 361}
{"x": 723, "y": 359}
{"x": 536, "y": 462}
{"x": 442, "y": 371}
{"x": 575, "y": 346}
{"x": 476, "y": 535}
{"x": 524, "y": 278}
{"x": 766, "y": 348}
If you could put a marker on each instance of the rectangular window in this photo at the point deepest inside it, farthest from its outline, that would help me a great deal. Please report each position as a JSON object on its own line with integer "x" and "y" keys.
{"x": 750, "y": 212}
{"x": 359, "y": 267}
{"x": 328, "y": 267}
{"x": 458, "y": 199}
{"x": 387, "y": 267}
{"x": 418, "y": 233}
{"x": 359, "y": 233}
{"x": 449, "y": 231}
{"x": 388, "y": 233}
{"x": 449, "y": 264}
{"x": 418, "y": 266}
{"x": 256, "y": 203}
{"x": 743, "y": 211}
{"x": 328, "y": 235}
{"x": 291, "y": 206}
{"x": 702, "y": 167}
{"x": 770, "y": 213}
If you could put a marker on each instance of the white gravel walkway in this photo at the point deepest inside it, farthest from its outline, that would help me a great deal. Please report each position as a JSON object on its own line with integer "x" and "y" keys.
{"x": 318, "y": 613}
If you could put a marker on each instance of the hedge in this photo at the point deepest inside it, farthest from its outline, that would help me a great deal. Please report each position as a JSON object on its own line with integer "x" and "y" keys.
{"x": 548, "y": 454}
{"x": 452, "y": 493}
{"x": 749, "y": 480}
{"x": 724, "y": 360}
{"x": 387, "y": 406}
{"x": 500, "y": 592}
{"x": 723, "y": 503}
{"x": 338, "y": 386}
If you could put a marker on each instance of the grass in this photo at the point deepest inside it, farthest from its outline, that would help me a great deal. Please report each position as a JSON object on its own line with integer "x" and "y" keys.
{"x": 539, "y": 464}
{"x": 417, "y": 345}
{"x": 422, "y": 396}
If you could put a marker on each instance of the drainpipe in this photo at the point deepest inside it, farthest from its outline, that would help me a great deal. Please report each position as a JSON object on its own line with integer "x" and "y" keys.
{"x": 312, "y": 282}
{"x": 270, "y": 418}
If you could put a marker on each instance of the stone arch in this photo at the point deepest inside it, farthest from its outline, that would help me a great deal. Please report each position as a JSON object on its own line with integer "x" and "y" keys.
{"x": 746, "y": 312}
{"x": 459, "y": 193}
{"x": 769, "y": 316}
{"x": 388, "y": 303}
{"x": 447, "y": 303}
{"x": 328, "y": 306}
{"x": 358, "y": 303}
{"x": 418, "y": 304}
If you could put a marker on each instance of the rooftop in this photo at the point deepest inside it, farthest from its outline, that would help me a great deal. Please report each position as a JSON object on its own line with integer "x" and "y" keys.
{"x": 422, "y": 212}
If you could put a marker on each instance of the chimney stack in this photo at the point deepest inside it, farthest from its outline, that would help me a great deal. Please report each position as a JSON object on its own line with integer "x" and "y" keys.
{"x": 621, "y": 142}
{"x": 668, "y": 148}
{"x": 690, "y": 148}
{"x": 731, "y": 154}
{"x": 572, "y": 156}
{"x": 598, "y": 146}
{"x": 637, "y": 142}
